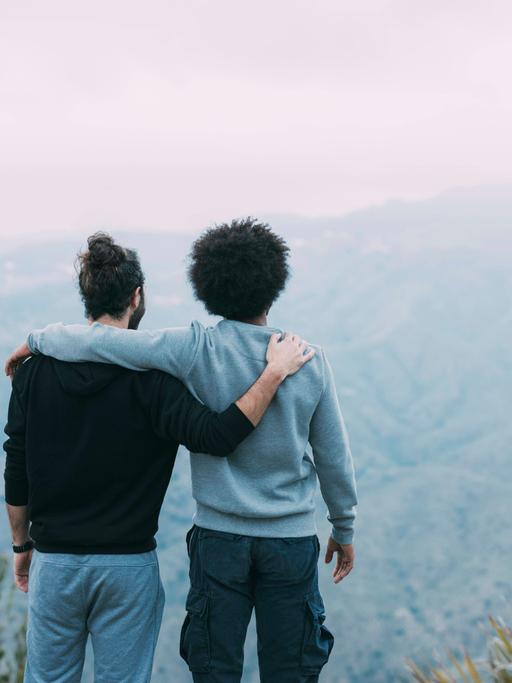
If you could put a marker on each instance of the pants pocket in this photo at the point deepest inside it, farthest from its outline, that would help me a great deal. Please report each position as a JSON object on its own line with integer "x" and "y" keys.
{"x": 190, "y": 534}
{"x": 195, "y": 639}
{"x": 318, "y": 640}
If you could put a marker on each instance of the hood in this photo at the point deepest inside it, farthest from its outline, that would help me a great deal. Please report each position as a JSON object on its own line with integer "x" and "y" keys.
{"x": 84, "y": 379}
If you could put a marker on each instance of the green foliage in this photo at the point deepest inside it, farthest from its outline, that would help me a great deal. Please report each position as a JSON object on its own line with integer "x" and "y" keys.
{"x": 12, "y": 630}
{"x": 497, "y": 667}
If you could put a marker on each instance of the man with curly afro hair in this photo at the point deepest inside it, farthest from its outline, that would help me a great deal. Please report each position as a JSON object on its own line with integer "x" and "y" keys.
{"x": 239, "y": 269}
{"x": 253, "y": 545}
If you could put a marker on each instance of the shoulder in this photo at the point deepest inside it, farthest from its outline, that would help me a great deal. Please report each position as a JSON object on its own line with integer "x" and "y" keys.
{"x": 311, "y": 378}
{"x": 319, "y": 361}
{"x": 319, "y": 372}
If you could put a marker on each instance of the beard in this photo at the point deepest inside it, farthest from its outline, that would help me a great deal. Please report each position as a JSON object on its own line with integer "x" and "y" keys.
{"x": 138, "y": 313}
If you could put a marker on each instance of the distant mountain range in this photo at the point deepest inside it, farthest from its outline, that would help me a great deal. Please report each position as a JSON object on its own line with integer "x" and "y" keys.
{"x": 412, "y": 302}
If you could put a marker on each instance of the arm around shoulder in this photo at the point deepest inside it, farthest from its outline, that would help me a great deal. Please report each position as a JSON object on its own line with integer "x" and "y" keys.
{"x": 171, "y": 350}
{"x": 178, "y": 416}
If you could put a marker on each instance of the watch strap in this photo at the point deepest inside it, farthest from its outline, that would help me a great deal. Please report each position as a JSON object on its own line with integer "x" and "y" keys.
{"x": 23, "y": 548}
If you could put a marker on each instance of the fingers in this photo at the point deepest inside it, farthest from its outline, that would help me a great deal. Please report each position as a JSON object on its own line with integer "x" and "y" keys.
{"x": 337, "y": 569}
{"x": 328, "y": 555}
{"x": 300, "y": 343}
{"x": 290, "y": 350}
{"x": 344, "y": 572}
{"x": 16, "y": 358}
{"x": 21, "y": 581}
{"x": 11, "y": 365}
{"x": 308, "y": 356}
{"x": 343, "y": 567}
{"x": 21, "y": 570}
{"x": 290, "y": 337}
{"x": 272, "y": 345}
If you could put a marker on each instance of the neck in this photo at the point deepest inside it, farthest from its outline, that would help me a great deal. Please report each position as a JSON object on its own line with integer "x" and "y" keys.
{"x": 113, "y": 322}
{"x": 260, "y": 320}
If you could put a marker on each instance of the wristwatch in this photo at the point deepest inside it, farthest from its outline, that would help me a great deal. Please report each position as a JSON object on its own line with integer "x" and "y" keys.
{"x": 28, "y": 545}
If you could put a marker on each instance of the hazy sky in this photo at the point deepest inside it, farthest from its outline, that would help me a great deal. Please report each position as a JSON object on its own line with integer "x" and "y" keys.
{"x": 170, "y": 115}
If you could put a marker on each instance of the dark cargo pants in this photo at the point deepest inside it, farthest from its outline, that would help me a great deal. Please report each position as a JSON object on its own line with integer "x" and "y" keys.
{"x": 278, "y": 577}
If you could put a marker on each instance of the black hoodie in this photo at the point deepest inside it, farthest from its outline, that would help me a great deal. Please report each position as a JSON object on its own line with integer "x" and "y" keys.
{"x": 91, "y": 450}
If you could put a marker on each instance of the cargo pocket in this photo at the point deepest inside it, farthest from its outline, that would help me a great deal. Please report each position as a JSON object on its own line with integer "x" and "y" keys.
{"x": 318, "y": 640}
{"x": 195, "y": 639}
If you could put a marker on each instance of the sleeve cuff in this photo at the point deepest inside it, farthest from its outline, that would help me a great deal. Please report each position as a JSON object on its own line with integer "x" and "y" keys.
{"x": 31, "y": 345}
{"x": 343, "y": 537}
{"x": 237, "y": 425}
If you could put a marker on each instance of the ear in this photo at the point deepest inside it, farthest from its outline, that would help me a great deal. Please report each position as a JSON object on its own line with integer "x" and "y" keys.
{"x": 135, "y": 299}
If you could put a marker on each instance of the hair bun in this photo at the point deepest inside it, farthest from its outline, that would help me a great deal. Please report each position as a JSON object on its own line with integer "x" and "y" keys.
{"x": 104, "y": 252}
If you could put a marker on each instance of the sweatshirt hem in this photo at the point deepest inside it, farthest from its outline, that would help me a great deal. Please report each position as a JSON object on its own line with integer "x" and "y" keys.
{"x": 133, "y": 549}
{"x": 291, "y": 526}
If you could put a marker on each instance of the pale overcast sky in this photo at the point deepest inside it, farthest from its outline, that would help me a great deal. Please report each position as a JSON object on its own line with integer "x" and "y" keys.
{"x": 170, "y": 115}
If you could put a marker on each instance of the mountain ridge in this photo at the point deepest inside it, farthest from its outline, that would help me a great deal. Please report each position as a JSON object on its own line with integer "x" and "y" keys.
{"x": 418, "y": 334}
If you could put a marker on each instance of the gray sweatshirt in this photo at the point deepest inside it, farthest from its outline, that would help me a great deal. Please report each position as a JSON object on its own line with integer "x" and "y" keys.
{"x": 267, "y": 486}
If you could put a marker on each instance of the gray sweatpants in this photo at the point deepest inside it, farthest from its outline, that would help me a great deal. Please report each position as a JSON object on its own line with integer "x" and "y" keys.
{"x": 116, "y": 599}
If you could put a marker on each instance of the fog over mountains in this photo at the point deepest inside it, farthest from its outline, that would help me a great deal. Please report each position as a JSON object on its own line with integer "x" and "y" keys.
{"x": 413, "y": 305}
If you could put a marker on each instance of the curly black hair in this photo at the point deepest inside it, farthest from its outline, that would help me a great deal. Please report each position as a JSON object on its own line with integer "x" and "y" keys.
{"x": 108, "y": 275}
{"x": 239, "y": 269}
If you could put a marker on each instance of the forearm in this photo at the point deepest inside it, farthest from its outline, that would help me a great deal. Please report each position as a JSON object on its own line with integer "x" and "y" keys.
{"x": 257, "y": 399}
{"x": 335, "y": 471}
{"x": 333, "y": 462}
{"x": 96, "y": 343}
{"x": 204, "y": 431}
{"x": 15, "y": 473}
{"x": 339, "y": 493}
{"x": 19, "y": 521}
{"x": 169, "y": 350}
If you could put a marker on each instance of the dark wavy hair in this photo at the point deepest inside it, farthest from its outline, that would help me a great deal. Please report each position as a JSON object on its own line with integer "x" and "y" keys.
{"x": 108, "y": 275}
{"x": 239, "y": 269}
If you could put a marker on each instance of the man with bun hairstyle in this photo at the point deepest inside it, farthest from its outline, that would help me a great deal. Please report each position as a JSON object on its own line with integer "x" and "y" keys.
{"x": 90, "y": 452}
{"x": 253, "y": 546}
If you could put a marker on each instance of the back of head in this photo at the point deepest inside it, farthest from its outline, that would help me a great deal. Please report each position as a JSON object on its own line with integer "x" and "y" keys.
{"x": 108, "y": 276}
{"x": 239, "y": 269}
